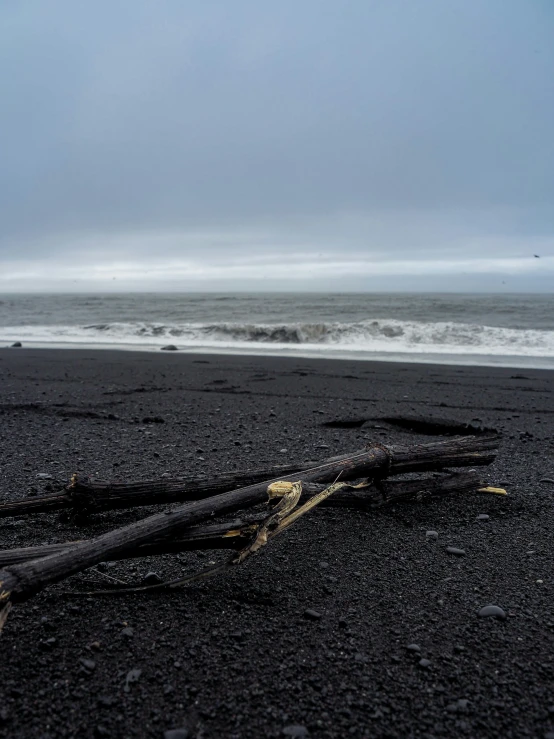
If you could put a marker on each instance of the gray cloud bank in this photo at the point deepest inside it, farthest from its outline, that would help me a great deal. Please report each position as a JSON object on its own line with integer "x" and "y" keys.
{"x": 215, "y": 144}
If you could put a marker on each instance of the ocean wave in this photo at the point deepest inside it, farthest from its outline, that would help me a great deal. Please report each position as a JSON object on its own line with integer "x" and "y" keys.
{"x": 370, "y": 336}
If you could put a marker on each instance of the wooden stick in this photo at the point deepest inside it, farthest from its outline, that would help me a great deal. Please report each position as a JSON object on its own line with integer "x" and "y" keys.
{"x": 215, "y": 536}
{"x": 235, "y": 534}
{"x": 85, "y": 494}
{"x": 92, "y": 496}
{"x": 19, "y": 582}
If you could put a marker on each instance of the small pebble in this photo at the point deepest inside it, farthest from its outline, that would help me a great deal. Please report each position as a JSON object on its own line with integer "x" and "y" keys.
{"x": 413, "y": 648}
{"x": 295, "y": 730}
{"x": 88, "y": 664}
{"x": 483, "y": 517}
{"x": 324, "y": 565}
{"x": 48, "y": 643}
{"x": 312, "y": 615}
{"x": 459, "y": 707}
{"x": 176, "y": 733}
{"x": 132, "y": 677}
{"x": 492, "y": 612}
{"x": 44, "y": 476}
{"x": 432, "y": 535}
{"x": 17, "y": 345}
{"x": 128, "y": 632}
{"x": 456, "y": 552}
{"x": 152, "y": 578}
{"x": 169, "y": 348}
{"x": 548, "y": 480}
{"x": 425, "y": 663}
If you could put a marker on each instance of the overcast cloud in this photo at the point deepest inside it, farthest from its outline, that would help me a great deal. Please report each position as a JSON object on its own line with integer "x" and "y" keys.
{"x": 290, "y": 144}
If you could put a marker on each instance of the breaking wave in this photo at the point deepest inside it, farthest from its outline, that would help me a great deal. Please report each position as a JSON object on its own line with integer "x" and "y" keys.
{"x": 370, "y": 337}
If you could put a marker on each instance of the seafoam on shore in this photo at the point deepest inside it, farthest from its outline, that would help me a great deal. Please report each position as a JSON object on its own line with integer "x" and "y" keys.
{"x": 512, "y": 331}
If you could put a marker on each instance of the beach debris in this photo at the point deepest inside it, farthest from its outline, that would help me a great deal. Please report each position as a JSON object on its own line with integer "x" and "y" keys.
{"x": 356, "y": 479}
{"x": 493, "y": 490}
{"x": 456, "y": 552}
{"x": 16, "y": 345}
{"x": 85, "y": 495}
{"x": 236, "y": 533}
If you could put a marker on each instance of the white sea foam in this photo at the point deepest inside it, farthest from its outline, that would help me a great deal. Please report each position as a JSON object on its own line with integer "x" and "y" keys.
{"x": 404, "y": 339}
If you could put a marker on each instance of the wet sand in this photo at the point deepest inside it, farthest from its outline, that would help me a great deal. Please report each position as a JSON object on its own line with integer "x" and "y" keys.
{"x": 236, "y": 657}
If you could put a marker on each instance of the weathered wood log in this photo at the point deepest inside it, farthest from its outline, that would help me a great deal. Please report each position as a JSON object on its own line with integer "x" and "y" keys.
{"x": 214, "y": 536}
{"x": 40, "y": 504}
{"x": 85, "y": 494}
{"x": 19, "y": 582}
{"x": 235, "y": 534}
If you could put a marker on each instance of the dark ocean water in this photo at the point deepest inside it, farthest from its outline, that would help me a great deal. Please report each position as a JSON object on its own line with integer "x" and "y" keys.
{"x": 511, "y": 330}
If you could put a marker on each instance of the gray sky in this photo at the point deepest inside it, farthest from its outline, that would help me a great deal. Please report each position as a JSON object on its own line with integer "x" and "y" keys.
{"x": 277, "y": 144}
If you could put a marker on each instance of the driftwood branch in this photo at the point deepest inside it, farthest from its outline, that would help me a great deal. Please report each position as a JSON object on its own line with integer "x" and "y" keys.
{"x": 287, "y": 512}
{"x": 19, "y": 582}
{"x": 236, "y": 534}
{"x": 92, "y": 496}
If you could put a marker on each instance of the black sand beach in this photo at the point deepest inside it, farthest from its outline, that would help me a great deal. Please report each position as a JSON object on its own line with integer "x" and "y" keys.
{"x": 236, "y": 657}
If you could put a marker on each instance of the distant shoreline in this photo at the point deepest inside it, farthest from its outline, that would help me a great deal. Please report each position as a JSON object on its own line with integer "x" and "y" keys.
{"x": 272, "y": 353}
